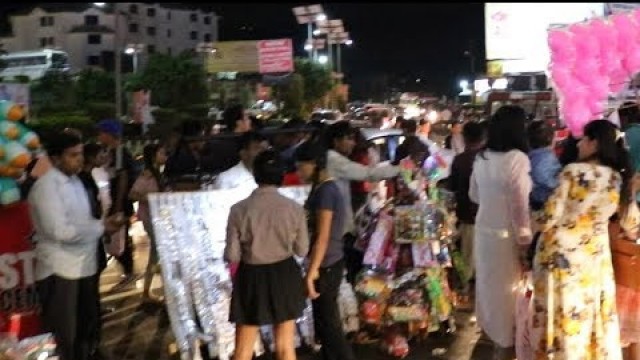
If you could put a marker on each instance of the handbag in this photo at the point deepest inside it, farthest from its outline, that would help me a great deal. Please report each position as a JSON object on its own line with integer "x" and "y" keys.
{"x": 625, "y": 251}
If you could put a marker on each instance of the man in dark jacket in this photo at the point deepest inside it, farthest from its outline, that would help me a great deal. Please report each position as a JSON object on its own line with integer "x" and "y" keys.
{"x": 461, "y": 168}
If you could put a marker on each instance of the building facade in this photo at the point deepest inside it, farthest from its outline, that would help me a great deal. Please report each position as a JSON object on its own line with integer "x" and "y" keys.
{"x": 88, "y": 32}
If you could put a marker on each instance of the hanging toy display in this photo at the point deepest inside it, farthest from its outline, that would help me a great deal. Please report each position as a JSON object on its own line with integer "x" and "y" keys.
{"x": 403, "y": 291}
{"x": 18, "y": 144}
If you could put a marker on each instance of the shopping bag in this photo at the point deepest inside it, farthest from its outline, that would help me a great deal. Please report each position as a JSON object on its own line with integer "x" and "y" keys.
{"x": 524, "y": 295}
{"x": 115, "y": 247}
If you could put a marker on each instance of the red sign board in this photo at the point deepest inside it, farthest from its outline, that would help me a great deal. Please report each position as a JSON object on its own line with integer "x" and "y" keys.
{"x": 275, "y": 56}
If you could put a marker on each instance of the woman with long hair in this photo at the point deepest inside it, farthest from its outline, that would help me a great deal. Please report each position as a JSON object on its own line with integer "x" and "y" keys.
{"x": 574, "y": 289}
{"x": 500, "y": 185}
{"x": 150, "y": 181}
{"x": 326, "y": 216}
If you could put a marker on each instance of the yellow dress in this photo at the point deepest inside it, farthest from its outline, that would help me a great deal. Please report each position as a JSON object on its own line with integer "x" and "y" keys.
{"x": 574, "y": 289}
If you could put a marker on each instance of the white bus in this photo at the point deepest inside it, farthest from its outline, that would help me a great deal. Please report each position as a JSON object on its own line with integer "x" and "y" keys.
{"x": 34, "y": 64}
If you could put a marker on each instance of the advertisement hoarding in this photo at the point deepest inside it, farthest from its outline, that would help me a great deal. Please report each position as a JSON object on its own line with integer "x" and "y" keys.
{"x": 516, "y": 33}
{"x": 263, "y": 56}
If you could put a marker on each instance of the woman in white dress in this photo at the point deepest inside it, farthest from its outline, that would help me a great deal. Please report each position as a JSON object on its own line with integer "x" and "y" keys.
{"x": 500, "y": 185}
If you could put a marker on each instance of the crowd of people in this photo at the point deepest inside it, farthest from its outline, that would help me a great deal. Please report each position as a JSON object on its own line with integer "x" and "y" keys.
{"x": 520, "y": 209}
{"x": 534, "y": 213}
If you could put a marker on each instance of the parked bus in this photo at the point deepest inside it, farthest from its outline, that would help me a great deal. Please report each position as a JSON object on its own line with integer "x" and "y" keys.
{"x": 34, "y": 64}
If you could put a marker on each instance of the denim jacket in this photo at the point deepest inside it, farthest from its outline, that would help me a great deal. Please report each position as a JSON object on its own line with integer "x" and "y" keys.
{"x": 545, "y": 168}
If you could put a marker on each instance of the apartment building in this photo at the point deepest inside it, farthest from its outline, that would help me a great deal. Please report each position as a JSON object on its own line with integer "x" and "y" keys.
{"x": 87, "y": 32}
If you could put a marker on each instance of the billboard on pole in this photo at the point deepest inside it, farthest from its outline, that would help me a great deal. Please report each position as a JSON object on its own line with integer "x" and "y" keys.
{"x": 276, "y": 56}
{"x": 263, "y": 56}
{"x": 516, "y": 33}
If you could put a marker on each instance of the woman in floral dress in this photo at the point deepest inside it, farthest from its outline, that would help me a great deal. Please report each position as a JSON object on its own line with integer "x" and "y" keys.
{"x": 574, "y": 297}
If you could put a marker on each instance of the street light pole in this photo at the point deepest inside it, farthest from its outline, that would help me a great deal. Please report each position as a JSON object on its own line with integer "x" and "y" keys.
{"x": 309, "y": 39}
{"x": 118, "y": 61}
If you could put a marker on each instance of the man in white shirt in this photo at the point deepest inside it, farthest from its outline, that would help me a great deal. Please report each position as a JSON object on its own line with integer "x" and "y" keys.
{"x": 67, "y": 237}
{"x": 241, "y": 175}
{"x": 341, "y": 141}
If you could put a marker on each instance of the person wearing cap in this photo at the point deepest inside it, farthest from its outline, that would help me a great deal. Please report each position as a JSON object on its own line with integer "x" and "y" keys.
{"x": 340, "y": 139}
{"x": 67, "y": 236}
{"x": 122, "y": 173}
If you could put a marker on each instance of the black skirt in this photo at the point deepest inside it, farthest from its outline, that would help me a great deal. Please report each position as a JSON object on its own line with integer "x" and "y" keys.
{"x": 267, "y": 294}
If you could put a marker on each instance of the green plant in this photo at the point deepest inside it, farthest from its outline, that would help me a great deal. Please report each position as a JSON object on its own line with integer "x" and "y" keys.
{"x": 98, "y": 111}
{"x": 198, "y": 110}
{"x": 47, "y": 126}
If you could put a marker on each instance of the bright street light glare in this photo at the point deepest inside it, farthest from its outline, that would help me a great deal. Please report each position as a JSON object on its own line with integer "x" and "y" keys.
{"x": 317, "y": 32}
{"x": 100, "y": 4}
{"x": 321, "y": 17}
{"x": 349, "y": 42}
{"x": 464, "y": 84}
{"x": 323, "y": 59}
{"x": 308, "y": 47}
{"x": 129, "y": 50}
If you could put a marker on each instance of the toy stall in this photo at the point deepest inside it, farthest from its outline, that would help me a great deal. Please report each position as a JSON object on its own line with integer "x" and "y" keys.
{"x": 407, "y": 288}
{"x": 20, "y": 329}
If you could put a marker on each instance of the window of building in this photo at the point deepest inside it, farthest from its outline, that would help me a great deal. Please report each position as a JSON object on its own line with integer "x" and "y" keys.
{"x": 207, "y": 20}
{"x": 46, "y": 21}
{"x": 93, "y": 60}
{"x": 151, "y": 49}
{"x": 133, "y": 8}
{"x": 91, "y": 20}
{"x": 194, "y": 17}
{"x": 168, "y": 15}
{"x": 169, "y": 33}
{"x": 207, "y": 38}
{"x": 94, "y": 39}
{"x": 133, "y": 28}
{"x": 193, "y": 35}
{"x": 151, "y": 31}
{"x": 47, "y": 41}
{"x": 151, "y": 12}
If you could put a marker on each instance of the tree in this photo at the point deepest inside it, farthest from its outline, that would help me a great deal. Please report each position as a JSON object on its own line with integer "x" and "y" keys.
{"x": 175, "y": 82}
{"x": 293, "y": 96}
{"x": 94, "y": 86}
{"x": 54, "y": 92}
{"x": 317, "y": 80}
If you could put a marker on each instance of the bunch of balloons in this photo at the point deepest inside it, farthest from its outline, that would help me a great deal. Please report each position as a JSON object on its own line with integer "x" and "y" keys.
{"x": 590, "y": 61}
{"x": 18, "y": 144}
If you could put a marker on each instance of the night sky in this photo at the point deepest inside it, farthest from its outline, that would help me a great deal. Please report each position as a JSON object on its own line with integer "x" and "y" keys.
{"x": 394, "y": 43}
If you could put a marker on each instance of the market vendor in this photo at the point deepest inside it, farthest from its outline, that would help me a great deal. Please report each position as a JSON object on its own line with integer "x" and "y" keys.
{"x": 340, "y": 139}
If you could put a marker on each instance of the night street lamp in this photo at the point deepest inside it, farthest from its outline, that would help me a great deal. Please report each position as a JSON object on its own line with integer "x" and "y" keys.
{"x": 308, "y": 15}
{"x": 331, "y": 27}
{"x": 117, "y": 12}
{"x": 134, "y": 49}
{"x": 323, "y": 59}
{"x": 339, "y": 39}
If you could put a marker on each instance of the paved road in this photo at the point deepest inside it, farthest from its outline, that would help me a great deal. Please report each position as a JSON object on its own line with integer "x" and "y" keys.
{"x": 137, "y": 332}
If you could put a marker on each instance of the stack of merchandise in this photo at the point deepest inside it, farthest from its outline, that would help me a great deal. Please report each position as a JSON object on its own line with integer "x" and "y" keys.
{"x": 404, "y": 291}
